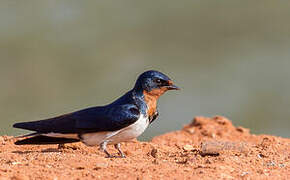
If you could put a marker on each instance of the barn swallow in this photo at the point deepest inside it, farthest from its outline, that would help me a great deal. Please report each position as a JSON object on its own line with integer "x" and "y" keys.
{"x": 123, "y": 120}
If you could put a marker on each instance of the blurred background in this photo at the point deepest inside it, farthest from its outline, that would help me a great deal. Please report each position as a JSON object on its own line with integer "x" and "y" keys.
{"x": 230, "y": 58}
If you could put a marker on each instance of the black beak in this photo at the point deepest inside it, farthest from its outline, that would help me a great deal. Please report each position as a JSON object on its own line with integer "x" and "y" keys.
{"x": 173, "y": 87}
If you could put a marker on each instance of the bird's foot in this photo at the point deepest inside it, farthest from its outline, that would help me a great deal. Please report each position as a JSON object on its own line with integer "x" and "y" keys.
{"x": 103, "y": 147}
{"x": 118, "y": 147}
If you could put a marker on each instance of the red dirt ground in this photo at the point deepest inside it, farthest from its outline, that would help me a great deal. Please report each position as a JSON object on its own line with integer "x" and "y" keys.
{"x": 208, "y": 148}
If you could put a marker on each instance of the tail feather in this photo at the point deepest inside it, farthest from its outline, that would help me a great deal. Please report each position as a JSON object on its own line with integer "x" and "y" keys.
{"x": 27, "y": 135}
{"x": 42, "y": 140}
{"x": 22, "y": 125}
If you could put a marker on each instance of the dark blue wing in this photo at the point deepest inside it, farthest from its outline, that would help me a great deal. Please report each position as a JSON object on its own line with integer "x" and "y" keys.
{"x": 95, "y": 119}
{"x": 106, "y": 119}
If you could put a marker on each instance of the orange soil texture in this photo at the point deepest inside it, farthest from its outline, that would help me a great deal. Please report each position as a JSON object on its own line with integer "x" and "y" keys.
{"x": 208, "y": 148}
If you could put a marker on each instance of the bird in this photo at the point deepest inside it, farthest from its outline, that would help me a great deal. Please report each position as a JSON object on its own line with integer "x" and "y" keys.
{"x": 122, "y": 120}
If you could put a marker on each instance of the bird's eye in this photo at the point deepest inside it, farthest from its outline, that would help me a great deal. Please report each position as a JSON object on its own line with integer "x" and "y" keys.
{"x": 158, "y": 81}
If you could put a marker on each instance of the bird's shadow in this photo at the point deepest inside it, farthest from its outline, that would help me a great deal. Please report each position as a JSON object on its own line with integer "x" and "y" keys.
{"x": 48, "y": 150}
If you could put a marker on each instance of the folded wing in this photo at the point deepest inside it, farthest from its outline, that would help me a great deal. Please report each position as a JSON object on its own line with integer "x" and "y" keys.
{"x": 95, "y": 119}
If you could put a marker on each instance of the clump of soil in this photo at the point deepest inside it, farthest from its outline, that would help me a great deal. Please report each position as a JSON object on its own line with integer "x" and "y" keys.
{"x": 208, "y": 148}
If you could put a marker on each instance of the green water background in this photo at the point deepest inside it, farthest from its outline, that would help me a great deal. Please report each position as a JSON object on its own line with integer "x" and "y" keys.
{"x": 230, "y": 58}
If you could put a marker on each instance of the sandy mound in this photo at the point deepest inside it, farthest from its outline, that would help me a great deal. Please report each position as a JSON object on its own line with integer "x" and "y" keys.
{"x": 208, "y": 148}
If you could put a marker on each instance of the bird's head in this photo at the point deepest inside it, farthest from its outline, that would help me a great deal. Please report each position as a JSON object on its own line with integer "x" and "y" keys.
{"x": 154, "y": 83}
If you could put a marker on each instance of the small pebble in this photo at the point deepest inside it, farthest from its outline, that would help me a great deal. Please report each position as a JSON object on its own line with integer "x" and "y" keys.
{"x": 188, "y": 147}
{"x": 154, "y": 152}
{"x": 244, "y": 174}
{"x": 271, "y": 164}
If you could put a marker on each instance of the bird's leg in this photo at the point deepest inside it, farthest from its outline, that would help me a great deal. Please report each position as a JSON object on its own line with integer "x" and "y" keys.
{"x": 103, "y": 147}
{"x": 60, "y": 146}
{"x": 118, "y": 147}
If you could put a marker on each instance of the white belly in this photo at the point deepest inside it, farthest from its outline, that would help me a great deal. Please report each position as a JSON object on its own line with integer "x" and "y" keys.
{"x": 114, "y": 137}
